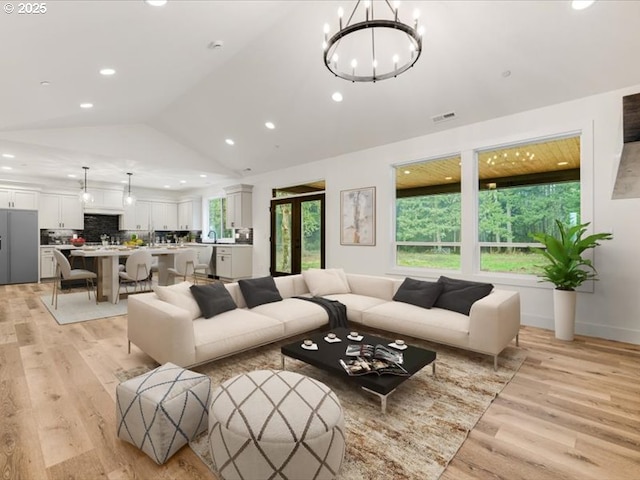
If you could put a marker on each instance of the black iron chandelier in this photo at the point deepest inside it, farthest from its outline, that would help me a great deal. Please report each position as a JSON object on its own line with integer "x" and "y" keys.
{"x": 372, "y": 49}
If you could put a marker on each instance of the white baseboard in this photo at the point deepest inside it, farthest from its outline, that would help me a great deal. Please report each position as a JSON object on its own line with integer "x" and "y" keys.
{"x": 608, "y": 332}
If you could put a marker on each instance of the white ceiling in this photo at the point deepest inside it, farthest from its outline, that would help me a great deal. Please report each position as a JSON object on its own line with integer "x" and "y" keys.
{"x": 166, "y": 113}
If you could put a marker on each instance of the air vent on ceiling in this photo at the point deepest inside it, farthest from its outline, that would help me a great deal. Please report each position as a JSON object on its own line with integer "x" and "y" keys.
{"x": 443, "y": 117}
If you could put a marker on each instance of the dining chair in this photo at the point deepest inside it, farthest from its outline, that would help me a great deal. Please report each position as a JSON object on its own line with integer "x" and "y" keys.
{"x": 137, "y": 270}
{"x": 184, "y": 265}
{"x": 204, "y": 261}
{"x": 65, "y": 272}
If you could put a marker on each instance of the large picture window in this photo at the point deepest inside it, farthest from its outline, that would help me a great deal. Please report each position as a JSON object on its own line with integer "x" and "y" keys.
{"x": 428, "y": 214}
{"x": 523, "y": 189}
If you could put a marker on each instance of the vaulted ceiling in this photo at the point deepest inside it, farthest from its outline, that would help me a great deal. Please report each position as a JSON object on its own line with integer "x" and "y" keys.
{"x": 167, "y": 111}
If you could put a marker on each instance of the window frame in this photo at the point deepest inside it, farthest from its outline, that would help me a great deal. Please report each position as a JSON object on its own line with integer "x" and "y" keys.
{"x": 469, "y": 228}
{"x": 207, "y": 217}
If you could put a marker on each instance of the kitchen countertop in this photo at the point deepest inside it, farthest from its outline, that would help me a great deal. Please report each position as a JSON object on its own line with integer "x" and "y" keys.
{"x": 66, "y": 246}
{"x": 208, "y": 244}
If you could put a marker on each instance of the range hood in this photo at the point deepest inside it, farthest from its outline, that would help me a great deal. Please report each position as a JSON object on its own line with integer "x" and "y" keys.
{"x": 628, "y": 179}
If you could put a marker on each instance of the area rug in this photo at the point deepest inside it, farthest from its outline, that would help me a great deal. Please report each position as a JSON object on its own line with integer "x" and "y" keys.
{"x": 76, "y": 307}
{"x": 427, "y": 420}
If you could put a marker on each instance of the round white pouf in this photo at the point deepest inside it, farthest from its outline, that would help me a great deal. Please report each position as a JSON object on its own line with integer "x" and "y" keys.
{"x": 272, "y": 424}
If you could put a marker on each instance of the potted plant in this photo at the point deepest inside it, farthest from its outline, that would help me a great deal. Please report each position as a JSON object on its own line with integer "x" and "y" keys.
{"x": 567, "y": 270}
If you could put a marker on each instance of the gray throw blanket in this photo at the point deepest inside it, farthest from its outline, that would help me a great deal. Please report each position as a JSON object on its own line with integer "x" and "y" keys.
{"x": 336, "y": 311}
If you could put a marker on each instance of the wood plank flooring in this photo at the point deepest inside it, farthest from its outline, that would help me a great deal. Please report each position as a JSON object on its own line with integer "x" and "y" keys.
{"x": 571, "y": 412}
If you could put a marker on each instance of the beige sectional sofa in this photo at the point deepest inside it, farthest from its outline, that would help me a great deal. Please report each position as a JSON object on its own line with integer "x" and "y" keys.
{"x": 172, "y": 331}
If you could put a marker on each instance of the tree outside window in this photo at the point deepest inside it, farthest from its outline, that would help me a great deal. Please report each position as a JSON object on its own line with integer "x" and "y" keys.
{"x": 218, "y": 218}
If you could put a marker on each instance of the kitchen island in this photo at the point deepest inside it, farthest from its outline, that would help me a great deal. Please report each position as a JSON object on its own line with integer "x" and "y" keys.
{"x": 108, "y": 258}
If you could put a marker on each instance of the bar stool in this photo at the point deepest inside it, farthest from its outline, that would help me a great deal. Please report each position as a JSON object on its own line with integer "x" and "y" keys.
{"x": 136, "y": 270}
{"x": 65, "y": 272}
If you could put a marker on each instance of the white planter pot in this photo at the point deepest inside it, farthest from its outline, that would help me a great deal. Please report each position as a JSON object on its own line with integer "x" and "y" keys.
{"x": 564, "y": 311}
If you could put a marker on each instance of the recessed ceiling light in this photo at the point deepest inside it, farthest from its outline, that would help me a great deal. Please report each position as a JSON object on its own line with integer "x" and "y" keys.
{"x": 167, "y": 186}
{"x": 202, "y": 175}
{"x": 107, "y": 72}
{"x": 8, "y": 155}
{"x": 563, "y": 163}
{"x": 156, "y": 3}
{"x": 448, "y": 178}
{"x": 230, "y": 142}
{"x": 183, "y": 181}
{"x": 123, "y": 181}
{"x": 270, "y": 125}
{"x": 336, "y": 97}
{"x": 581, "y": 4}
{"x": 86, "y": 105}
{"x": 407, "y": 172}
{"x": 45, "y": 83}
{"x": 6, "y": 168}
{"x": 72, "y": 175}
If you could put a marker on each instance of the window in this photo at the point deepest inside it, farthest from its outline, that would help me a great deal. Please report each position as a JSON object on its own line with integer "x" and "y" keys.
{"x": 218, "y": 218}
{"x": 523, "y": 189}
{"x": 428, "y": 214}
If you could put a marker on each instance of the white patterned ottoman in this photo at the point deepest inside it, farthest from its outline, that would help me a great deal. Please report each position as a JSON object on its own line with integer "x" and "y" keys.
{"x": 272, "y": 424}
{"x": 161, "y": 411}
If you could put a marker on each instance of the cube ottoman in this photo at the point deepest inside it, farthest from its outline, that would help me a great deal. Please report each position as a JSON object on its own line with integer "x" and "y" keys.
{"x": 162, "y": 410}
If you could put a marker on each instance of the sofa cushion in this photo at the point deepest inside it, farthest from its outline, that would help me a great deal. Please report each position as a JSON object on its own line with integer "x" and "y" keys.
{"x": 326, "y": 281}
{"x": 297, "y": 316}
{"x": 356, "y": 304}
{"x": 437, "y": 324}
{"x": 258, "y": 291}
{"x": 418, "y": 292}
{"x": 180, "y": 296}
{"x": 459, "y": 295}
{"x": 212, "y": 299}
{"x": 232, "y": 332}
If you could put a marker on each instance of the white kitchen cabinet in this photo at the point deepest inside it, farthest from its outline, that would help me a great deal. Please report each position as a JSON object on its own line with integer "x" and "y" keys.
{"x": 47, "y": 263}
{"x": 60, "y": 211}
{"x": 233, "y": 263}
{"x": 136, "y": 217}
{"x": 105, "y": 201}
{"x": 190, "y": 215}
{"x": 164, "y": 216}
{"x": 21, "y": 199}
{"x": 239, "y": 198}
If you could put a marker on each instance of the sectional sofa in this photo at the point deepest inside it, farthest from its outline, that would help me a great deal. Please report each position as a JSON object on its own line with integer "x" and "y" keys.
{"x": 168, "y": 324}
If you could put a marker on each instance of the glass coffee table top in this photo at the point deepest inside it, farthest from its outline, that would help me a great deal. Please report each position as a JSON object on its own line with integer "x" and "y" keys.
{"x": 328, "y": 355}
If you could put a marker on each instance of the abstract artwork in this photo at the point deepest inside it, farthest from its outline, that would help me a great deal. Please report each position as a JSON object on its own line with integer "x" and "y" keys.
{"x": 358, "y": 216}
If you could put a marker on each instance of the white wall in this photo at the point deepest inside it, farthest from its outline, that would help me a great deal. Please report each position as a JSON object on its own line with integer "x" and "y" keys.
{"x": 611, "y": 310}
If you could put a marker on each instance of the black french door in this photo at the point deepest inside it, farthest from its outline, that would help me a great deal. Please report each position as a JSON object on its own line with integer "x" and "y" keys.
{"x": 297, "y": 234}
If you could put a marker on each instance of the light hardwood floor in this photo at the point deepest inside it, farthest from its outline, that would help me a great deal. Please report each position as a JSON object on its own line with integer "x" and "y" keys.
{"x": 571, "y": 412}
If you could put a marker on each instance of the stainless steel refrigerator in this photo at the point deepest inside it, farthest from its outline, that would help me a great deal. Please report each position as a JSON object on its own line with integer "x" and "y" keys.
{"x": 19, "y": 238}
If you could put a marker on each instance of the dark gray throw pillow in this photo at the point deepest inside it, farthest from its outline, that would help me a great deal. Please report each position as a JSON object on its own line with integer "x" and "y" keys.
{"x": 459, "y": 295}
{"x": 257, "y": 291}
{"x": 213, "y": 299}
{"x": 418, "y": 292}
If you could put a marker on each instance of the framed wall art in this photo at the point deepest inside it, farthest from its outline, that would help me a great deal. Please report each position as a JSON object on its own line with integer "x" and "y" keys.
{"x": 358, "y": 216}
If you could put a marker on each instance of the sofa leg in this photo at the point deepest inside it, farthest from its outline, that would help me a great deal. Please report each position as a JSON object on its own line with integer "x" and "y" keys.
{"x": 517, "y": 340}
{"x": 129, "y": 347}
{"x": 495, "y": 362}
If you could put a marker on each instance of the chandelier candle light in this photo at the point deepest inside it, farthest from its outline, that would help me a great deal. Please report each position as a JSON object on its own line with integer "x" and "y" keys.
{"x": 372, "y": 49}
{"x": 128, "y": 200}
{"x": 85, "y": 196}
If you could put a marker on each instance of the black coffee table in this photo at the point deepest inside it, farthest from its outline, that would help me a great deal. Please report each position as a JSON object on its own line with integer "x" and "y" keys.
{"x": 328, "y": 357}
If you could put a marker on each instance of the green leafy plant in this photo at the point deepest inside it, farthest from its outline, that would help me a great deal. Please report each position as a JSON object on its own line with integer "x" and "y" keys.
{"x": 566, "y": 268}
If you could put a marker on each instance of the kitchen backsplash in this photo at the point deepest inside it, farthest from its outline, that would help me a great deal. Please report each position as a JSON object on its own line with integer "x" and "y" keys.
{"x": 97, "y": 225}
